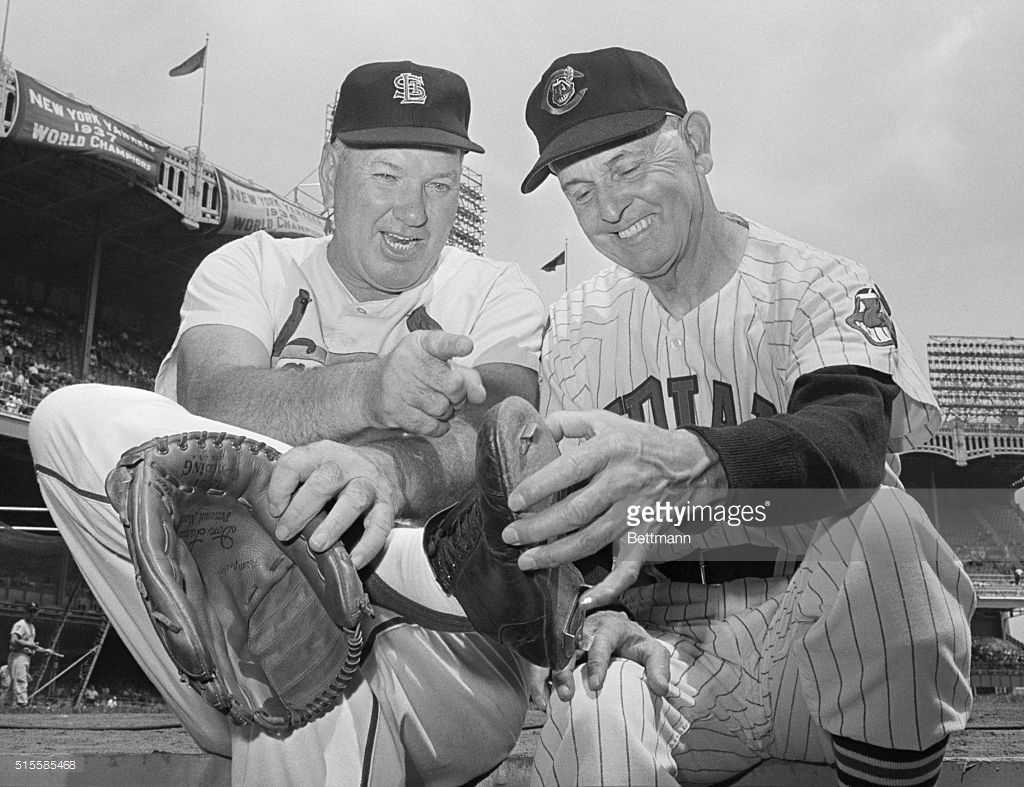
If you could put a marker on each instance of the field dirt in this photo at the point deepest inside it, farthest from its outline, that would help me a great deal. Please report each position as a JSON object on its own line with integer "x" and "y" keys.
{"x": 995, "y": 731}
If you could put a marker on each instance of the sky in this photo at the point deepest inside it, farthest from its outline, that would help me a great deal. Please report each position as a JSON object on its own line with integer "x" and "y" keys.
{"x": 890, "y": 133}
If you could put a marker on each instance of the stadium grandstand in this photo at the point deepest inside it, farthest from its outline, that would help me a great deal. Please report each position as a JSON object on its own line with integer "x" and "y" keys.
{"x": 103, "y": 224}
{"x": 969, "y": 479}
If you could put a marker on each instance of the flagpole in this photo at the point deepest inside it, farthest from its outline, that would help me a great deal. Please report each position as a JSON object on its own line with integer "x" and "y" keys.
{"x": 202, "y": 100}
{"x": 191, "y": 208}
{"x": 3, "y": 40}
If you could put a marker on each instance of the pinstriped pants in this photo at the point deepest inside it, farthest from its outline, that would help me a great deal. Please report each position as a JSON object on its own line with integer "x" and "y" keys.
{"x": 870, "y": 640}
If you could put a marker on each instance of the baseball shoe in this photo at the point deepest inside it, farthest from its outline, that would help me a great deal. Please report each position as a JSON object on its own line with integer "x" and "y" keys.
{"x": 535, "y": 613}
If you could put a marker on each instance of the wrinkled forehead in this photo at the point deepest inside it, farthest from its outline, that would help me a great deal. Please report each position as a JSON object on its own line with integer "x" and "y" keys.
{"x": 602, "y": 159}
{"x": 421, "y": 161}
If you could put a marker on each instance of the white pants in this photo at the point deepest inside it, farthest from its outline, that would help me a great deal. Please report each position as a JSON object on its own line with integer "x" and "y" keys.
{"x": 426, "y": 708}
{"x": 869, "y": 640}
{"x": 15, "y": 681}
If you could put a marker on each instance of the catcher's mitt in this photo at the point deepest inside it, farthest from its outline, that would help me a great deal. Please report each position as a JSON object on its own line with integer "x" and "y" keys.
{"x": 267, "y": 632}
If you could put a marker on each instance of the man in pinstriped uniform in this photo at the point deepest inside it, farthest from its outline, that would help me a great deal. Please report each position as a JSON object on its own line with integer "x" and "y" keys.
{"x": 834, "y": 630}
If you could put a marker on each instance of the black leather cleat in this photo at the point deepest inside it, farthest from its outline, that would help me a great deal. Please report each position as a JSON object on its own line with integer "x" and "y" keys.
{"x": 535, "y": 613}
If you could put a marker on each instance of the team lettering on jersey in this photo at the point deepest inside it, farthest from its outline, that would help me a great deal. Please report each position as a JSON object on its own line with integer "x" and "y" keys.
{"x": 291, "y": 352}
{"x": 647, "y": 402}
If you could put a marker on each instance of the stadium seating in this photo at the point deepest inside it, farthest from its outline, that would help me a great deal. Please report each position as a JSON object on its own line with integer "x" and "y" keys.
{"x": 39, "y": 348}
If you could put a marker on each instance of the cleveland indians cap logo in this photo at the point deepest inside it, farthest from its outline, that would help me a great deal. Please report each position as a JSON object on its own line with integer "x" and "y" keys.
{"x": 409, "y": 87}
{"x": 560, "y": 94}
{"x": 871, "y": 317}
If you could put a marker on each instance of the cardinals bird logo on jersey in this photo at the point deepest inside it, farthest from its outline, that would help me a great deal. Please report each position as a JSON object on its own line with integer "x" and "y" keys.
{"x": 871, "y": 317}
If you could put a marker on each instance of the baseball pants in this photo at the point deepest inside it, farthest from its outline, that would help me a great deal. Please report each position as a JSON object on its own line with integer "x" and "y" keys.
{"x": 394, "y": 724}
{"x": 16, "y": 679}
{"x": 869, "y": 640}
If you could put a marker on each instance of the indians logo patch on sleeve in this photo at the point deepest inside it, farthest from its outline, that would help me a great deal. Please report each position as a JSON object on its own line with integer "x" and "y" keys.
{"x": 871, "y": 317}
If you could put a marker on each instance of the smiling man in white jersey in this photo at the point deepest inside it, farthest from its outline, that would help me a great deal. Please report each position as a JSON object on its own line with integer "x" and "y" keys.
{"x": 375, "y": 350}
{"x": 718, "y": 357}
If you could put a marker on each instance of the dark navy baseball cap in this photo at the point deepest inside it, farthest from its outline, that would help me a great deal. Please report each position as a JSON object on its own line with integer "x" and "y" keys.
{"x": 403, "y": 104}
{"x": 590, "y": 99}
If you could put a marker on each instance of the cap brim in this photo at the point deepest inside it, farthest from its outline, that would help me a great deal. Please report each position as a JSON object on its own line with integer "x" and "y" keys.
{"x": 408, "y": 136}
{"x": 586, "y": 135}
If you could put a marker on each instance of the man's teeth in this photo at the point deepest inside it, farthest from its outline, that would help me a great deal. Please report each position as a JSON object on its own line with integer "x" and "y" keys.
{"x": 398, "y": 242}
{"x": 633, "y": 229}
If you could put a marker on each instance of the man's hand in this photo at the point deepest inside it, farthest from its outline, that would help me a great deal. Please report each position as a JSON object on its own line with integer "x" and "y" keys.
{"x": 363, "y": 480}
{"x": 623, "y": 463}
{"x": 613, "y": 634}
{"x": 416, "y": 388}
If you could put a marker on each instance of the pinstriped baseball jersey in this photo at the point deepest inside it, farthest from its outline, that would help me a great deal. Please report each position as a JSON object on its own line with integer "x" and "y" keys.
{"x": 788, "y": 310}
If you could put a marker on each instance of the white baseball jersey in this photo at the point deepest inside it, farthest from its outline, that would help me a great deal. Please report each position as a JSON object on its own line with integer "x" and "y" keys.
{"x": 788, "y": 310}
{"x": 24, "y": 631}
{"x": 284, "y": 292}
{"x": 870, "y": 638}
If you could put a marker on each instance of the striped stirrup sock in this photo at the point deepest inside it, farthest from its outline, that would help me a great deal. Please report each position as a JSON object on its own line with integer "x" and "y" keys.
{"x": 862, "y": 765}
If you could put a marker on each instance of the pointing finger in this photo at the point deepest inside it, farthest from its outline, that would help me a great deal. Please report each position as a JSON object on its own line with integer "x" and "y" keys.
{"x": 445, "y": 346}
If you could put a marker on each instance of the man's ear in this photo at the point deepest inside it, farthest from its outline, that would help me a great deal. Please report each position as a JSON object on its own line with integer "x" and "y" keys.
{"x": 696, "y": 130}
{"x": 328, "y": 165}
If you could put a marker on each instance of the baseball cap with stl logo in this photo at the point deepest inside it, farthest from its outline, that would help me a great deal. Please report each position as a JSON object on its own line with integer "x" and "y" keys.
{"x": 590, "y": 99}
{"x": 403, "y": 104}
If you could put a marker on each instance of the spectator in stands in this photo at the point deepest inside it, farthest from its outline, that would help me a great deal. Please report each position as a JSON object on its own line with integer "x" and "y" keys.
{"x": 1018, "y": 575}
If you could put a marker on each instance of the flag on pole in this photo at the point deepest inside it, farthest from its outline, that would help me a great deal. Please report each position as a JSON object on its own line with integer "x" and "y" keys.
{"x": 193, "y": 64}
{"x": 553, "y": 265}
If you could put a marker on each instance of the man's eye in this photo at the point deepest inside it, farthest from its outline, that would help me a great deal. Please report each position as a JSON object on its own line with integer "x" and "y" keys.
{"x": 440, "y": 188}
{"x": 582, "y": 196}
{"x": 385, "y": 177}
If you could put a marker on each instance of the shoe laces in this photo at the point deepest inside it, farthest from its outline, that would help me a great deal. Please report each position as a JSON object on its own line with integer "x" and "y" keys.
{"x": 450, "y": 543}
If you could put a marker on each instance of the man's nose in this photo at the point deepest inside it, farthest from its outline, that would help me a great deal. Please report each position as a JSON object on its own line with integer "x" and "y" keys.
{"x": 612, "y": 203}
{"x": 411, "y": 209}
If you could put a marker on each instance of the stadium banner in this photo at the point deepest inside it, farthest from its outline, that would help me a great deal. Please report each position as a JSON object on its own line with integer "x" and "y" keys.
{"x": 246, "y": 207}
{"x": 52, "y": 120}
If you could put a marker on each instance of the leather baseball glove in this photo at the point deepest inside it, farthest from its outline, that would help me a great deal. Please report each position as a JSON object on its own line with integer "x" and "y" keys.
{"x": 267, "y": 632}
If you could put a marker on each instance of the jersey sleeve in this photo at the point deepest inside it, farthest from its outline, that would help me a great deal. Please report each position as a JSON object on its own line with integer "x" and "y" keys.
{"x": 563, "y": 379}
{"x": 226, "y": 290}
{"x": 509, "y": 322}
{"x": 843, "y": 319}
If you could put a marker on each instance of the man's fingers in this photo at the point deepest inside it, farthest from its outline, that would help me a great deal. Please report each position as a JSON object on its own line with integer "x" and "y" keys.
{"x": 320, "y": 486}
{"x": 621, "y": 578}
{"x": 561, "y": 473}
{"x": 569, "y": 423}
{"x": 536, "y": 679}
{"x": 606, "y": 639}
{"x": 564, "y": 684}
{"x": 357, "y": 496}
{"x": 444, "y": 346}
{"x": 569, "y": 548}
{"x": 289, "y": 471}
{"x": 376, "y": 526}
{"x": 471, "y": 385}
{"x": 436, "y": 405}
{"x": 656, "y": 660}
